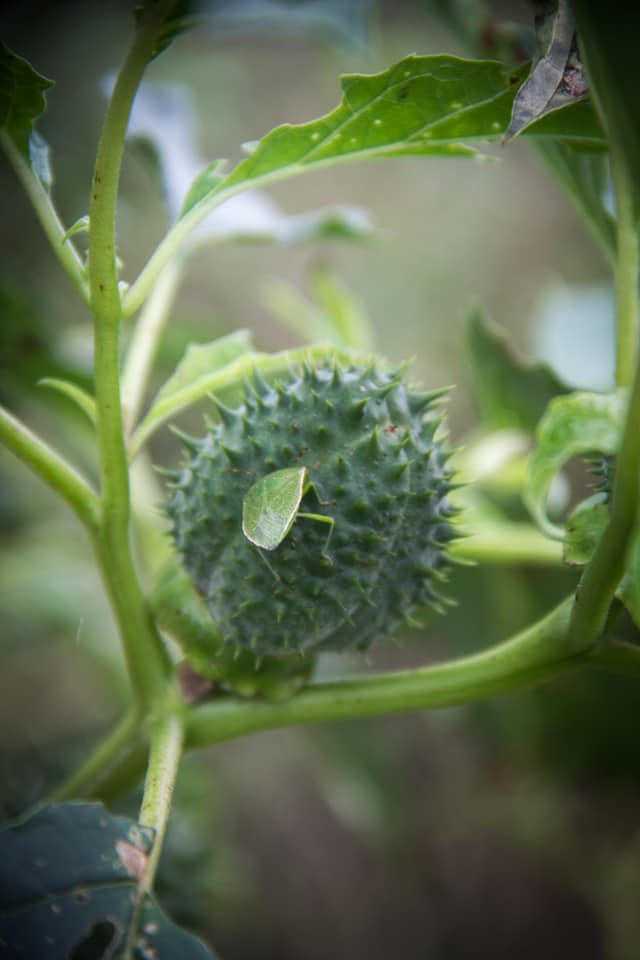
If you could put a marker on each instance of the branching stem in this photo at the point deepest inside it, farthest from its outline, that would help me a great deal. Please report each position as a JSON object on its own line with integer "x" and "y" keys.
{"x": 45, "y": 211}
{"x": 536, "y": 654}
{"x": 59, "y": 475}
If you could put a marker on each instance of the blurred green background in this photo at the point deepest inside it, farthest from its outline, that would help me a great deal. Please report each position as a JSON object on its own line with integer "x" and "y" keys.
{"x": 506, "y": 829}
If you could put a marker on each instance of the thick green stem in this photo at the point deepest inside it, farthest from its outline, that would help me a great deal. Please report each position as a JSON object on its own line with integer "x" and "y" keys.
{"x": 146, "y": 658}
{"x": 167, "y": 737}
{"x": 534, "y": 656}
{"x": 626, "y": 276}
{"x": 538, "y": 653}
{"x": 166, "y": 750}
{"x": 607, "y": 565}
{"x": 51, "y": 468}
{"x": 49, "y": 219}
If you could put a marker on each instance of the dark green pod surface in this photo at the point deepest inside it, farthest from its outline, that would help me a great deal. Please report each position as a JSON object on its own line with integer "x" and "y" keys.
{"x": 373, "y": 465}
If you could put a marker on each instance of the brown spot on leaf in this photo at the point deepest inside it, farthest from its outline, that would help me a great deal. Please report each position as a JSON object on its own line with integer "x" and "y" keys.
{"x": 132, "y": 858}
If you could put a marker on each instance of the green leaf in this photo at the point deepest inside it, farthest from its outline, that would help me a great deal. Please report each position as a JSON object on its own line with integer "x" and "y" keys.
{"x": 81, "y": 225}
{"x": 419, "y": 107}
{"x": 163, "y": 118}
{"x": 201, "y": 363}
{"x": 69, "y": 888}
{"x": 579, "y": 423}
{"x": 203, "y": 379}
{"x": 80, "y": 397}
{"x": 335, "y": 317}
{"x": 21, "y": 98}
{"x": 254, "y": 217}
{"x": 346, "y": 317}
{"x": 205, "y": 367}
{"x": 422, "y": 105}
{"x": 508, "y": 392}
{"x": 585, "y": 526}
{"x": 206, "y": 181}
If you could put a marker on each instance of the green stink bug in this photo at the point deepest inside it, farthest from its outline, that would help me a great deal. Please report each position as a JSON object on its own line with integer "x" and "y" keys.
{"x": 270, "y": 507}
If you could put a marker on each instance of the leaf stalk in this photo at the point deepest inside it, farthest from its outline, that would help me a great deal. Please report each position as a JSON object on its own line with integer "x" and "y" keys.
{"x": 46, "y": 213}
{"x": 53, "y": 469}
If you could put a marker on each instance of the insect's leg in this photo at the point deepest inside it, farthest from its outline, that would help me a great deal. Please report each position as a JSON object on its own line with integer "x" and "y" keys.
{"x": 310, "y": 485}
{"x": 322, "y": 519}
{"x": 275, "y": 576}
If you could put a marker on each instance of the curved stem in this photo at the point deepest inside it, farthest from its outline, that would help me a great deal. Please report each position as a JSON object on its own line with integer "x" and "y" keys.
{"x": 124, "y": 776}
{"x": 107, "y": 757}
{"x": 534, "y": 656}
{"x": 144, "y": 341}
{"x": 51, "y": 468}
{"x": 606, "y": 568}
{"x": 50, "y": 221}
{"x": 146, "y": 658}
{"x": 538, "y": 653}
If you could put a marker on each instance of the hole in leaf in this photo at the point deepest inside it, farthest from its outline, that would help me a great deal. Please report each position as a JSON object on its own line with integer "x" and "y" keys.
{"x": 98, "y": 944}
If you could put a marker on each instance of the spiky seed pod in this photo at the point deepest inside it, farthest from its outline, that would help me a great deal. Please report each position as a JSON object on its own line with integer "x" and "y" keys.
{"x": 374, "y": 466}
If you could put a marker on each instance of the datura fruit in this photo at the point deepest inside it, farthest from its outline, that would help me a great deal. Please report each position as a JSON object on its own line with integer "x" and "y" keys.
{"x": 315, "y": 515}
